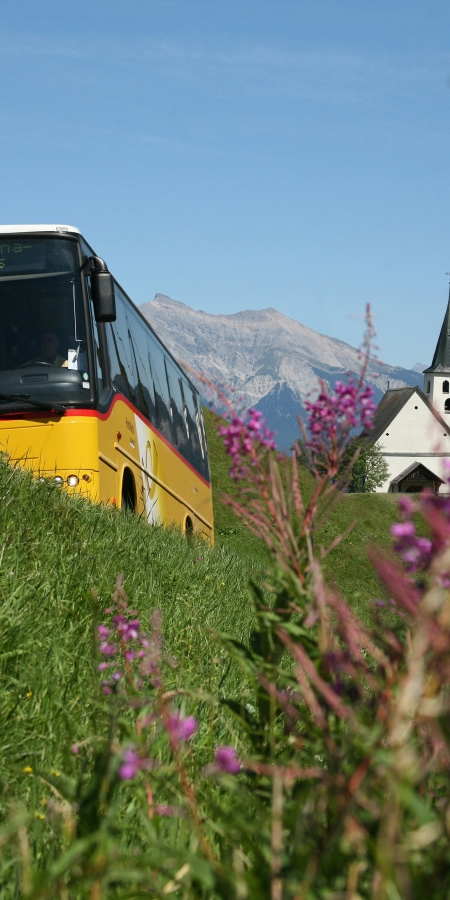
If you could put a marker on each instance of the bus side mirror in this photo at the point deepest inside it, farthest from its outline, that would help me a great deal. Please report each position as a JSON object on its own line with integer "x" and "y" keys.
{"x": 102, "y": 291}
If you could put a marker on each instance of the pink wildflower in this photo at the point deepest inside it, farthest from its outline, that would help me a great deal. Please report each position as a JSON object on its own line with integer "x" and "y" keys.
{"x": 226, "y": 760}
{"x": 403, "y": 529}
{"x": 332, "y": 417}
{"x": 415, "y": 551}
{"x": 108, "y": 649}
{"x": 163, "y": 809}
{"x": 132, "y": 764}
{"x": 246, "y": 437}
{"x": 181, "y": 729}
{"x": 405, "y": 506}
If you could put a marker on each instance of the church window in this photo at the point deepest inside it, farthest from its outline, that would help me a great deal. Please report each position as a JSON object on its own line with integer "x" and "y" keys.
{"x": 428, "y": 387}
{"x": 447, "y": 406}
{"x": 445, "y": 387}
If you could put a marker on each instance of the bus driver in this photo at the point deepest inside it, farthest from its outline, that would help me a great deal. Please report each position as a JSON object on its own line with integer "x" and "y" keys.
{"x": 49, "y": 350}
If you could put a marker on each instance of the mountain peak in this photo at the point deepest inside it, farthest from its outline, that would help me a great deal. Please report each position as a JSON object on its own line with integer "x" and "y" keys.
{"x": 263, "y": 356}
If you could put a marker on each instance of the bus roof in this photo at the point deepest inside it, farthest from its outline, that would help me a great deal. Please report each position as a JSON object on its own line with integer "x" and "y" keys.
{"x": 28, "y": 229}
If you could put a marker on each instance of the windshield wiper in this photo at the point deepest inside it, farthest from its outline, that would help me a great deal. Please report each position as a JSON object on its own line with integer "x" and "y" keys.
{"x": 24, "y": 398}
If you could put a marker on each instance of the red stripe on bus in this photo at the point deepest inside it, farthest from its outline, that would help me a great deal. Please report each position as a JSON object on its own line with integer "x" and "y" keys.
{"x": 95, "y": 414}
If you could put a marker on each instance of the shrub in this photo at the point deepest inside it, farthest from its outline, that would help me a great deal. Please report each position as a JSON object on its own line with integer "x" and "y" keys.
{"x": 369, "y": 469}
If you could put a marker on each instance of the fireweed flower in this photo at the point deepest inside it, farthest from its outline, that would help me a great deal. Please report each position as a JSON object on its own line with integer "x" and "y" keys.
{"x": 103, "y": 632}
{"x": 403, "y": 530}
{"x": 108, "y": 649}
{"x": 244, "y": 438}
{"x": 126, "y": 630}
{"x": 405, "y": 507}
{"x": 416, "y": 552}
{"x": 226, "y": 760}
{"x": 332, "y": 417}
{"x": 132, "y": 763}
{"x": 124, "y": 636}
{"x": 181, "y": 729}
{"x": 163, "y": 809}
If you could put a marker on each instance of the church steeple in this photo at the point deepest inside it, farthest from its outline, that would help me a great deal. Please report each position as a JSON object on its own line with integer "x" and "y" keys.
{"x": 441, "y": 358}
{"x": 437, "y": 377}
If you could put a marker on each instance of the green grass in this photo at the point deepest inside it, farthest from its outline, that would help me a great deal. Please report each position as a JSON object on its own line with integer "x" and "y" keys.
{"x": 60, "y": 558}
{"x": 347, "y": 567}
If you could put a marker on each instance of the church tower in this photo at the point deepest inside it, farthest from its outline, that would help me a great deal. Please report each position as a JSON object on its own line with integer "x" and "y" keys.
{"x": 436, "y": 385}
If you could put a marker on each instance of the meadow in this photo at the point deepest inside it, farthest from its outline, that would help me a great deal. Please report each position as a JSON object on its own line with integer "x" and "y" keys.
{"x": 60, "y": 559}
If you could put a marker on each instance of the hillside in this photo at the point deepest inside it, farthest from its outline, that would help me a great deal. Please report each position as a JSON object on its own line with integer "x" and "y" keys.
{"x": 264, "y": 359}
{"x": 60, "y": 560}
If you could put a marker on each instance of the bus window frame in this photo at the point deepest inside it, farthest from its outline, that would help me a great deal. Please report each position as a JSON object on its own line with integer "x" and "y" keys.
{"x": 89, "y": 333}
{"x": 76, "y": 239}
{"x": 101, "y": 400}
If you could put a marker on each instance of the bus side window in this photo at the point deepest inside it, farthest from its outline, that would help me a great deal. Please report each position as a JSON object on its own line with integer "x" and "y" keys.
{"x": 201, "y": 433}
{"x": 162, "y": 400}
{"x": 184, "y": 407}
{"x": 119, "y": 350}
{"x": 194, "y": 427}
{"x": 152, "y": 378}
{"x": 143, "y": 386}
{"x": 176, "y": 402}
{"x": 169, "y": 391}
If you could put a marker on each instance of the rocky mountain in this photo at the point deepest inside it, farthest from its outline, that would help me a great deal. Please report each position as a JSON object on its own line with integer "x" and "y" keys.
{"x": 270, "y": 361}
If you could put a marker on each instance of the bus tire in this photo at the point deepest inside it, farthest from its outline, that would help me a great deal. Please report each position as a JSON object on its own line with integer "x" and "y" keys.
{"x": 128, "y": 491}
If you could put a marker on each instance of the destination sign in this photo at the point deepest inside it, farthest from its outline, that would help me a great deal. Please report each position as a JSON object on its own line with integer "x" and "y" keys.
{"x": 20, "y": 257}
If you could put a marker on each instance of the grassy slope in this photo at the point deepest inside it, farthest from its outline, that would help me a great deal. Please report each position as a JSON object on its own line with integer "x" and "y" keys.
{"x": 59, "y": 561}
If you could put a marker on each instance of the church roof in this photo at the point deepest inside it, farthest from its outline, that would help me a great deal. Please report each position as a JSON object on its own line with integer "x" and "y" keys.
{"x": 389, "y": 407}
{"x": 441, "y": 358}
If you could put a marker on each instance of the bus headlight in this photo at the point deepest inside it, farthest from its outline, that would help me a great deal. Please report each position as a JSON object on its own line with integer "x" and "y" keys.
{"x": 72, "y": 480}
{"x": 58, "y": 480}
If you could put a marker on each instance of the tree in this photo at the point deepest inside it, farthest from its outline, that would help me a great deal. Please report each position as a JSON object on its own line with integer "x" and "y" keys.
{"x": 370, "y": 469}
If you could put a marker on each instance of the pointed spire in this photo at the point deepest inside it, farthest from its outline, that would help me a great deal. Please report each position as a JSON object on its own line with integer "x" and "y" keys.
{"x": 441, "y": 358}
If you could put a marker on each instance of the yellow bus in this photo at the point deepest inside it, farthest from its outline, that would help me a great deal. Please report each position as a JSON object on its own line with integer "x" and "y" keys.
{"x": 89, "y": 395}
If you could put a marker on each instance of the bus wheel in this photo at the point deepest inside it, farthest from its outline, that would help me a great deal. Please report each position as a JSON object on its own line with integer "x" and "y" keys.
{"x": 128, "y": 491}
{"x": 188, "y": 529}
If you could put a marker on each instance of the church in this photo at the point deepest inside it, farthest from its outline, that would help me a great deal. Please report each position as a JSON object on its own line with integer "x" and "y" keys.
{"x": 412, "y": 426}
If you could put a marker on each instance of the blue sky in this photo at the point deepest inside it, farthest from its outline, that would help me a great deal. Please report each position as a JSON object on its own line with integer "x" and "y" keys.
{"x": 240, "y": 154}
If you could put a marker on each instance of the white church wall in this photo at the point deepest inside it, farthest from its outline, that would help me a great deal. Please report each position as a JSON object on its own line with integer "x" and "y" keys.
{"x": 414, "y": 434}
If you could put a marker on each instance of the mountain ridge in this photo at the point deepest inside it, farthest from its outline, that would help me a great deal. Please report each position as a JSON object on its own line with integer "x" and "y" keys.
{"x": 265, "y": 357}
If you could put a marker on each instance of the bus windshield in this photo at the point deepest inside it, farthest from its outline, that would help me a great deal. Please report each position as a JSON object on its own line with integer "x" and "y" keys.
{"x": 43, "y": 352}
